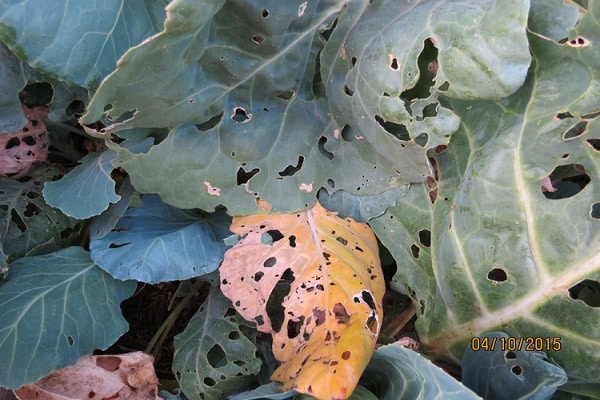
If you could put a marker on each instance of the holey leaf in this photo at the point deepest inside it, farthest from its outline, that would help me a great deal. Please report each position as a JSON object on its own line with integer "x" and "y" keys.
{"x": 511, "y": 241}
{"x": 314, "y": 281}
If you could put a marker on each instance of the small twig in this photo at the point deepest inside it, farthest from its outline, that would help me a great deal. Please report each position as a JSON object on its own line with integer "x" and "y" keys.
{"x": 67, "y": 127}
{"x": 155, "y": 345}
{"x": 399, "y": 321}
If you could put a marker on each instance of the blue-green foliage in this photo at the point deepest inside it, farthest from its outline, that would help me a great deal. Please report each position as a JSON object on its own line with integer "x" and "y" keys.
{"x": 446, "y": 124}
{"x": 156, "y": 243}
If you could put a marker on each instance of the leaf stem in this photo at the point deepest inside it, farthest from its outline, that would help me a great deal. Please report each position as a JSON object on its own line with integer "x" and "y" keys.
{"x": 155, "y": 345}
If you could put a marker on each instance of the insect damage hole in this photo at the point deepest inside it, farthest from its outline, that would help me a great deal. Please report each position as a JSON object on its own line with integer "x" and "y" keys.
{"x": 497, "y": 275}
{"x": 587, "y": 291}
{"x": 565, "y": 181}
{"x": 243, "y": 177}
{"x": 240, "y": 115}
{"x": 290, "y": 169}
{"x": 271, "y": 236}
{"x": 274, "y": 306}
{"x": 258, "y": 39}
{"x": 321, "y": 146}
{"x": 595, "y": 211}
{"x": 394, "y": 65}
{"x": 216, "y": 357}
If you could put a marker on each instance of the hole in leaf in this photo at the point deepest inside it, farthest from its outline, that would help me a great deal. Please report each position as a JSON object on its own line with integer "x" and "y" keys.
{"x": 240, "y": 115}
{"x": 587, "y": 291}
{"x": 270, "y": 262}
{"x": 564, "y": 115}
{"x": 12, "y": 142}
{"x": 216, "y": 357}
{"x": 346, "y": 355}
{"x": 497, "y": 275}
{"x": 290, "y": 169}
{"x": 117, "y": 245}
{"x": 258, "y": 39}
{"x": 211, "y": 123}
{"x": 286, "y": 95}
{"x": 264, "y": 13}
{"x": 576, "y": 130}
{"x": 595, "y": 211}
{"x": 294, "y": 327}
{"x": 567, "y": 181}
{"x": 274, "y": 304}
{"x": 366, "y": 296}
{"x": 348, "y": 91}
{"x": 70, "y": 340}
{"x": 259, "y": 320}
{"x": 233, "y": 335}
{"x": 321, "y": 145}
{"x": 579, "y": 41}
{"x": 372, "y": 323}
{"x": 208, "y": 381}
{"x": 595, "y": 143}
{"x": 258, "y": 276}
{"x": 271, "y": 236}
{"x": 414, "y": 250}
{"x": 31, "y": 210}
{"x": 243, "y": 176}
{"x": 29, "y": 140}
{"x": 398, "y": 130}
{"x": 394, "y": 63}
{"x": 422, "y": 139}
{"x": 517, "y": 370}
{"x": 425, "y": 237}
{"x": 428, "y": 66}
{"x": 348, "y": 133}
{"x": 510, "y": 355}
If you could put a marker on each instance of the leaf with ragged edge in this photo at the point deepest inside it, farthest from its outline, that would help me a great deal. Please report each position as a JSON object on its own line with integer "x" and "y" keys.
{"x": 506, "y": 253}
{"x": 387, "y": 63}
{"x": 56, "y": 308}
{"x": 156, "y": 243}
{"x": 247, "y": 76}
{"x": 78, "y": 42}
{"x": 360, "y": 208}
{"x": 324, "y": 272}
{"x": 88, "y": 189}
{"x": 123, "y": 376}
{"x": 29, "y": 226}
{"x": 516, "y": 374}
{"x": 213, "y": 357}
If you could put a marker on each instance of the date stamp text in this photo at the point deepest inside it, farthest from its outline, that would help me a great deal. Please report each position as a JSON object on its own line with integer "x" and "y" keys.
{"x": 516, "y": 344}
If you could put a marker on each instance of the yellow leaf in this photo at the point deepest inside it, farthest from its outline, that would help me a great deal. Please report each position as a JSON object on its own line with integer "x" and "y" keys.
{"x": 328, "y": 317}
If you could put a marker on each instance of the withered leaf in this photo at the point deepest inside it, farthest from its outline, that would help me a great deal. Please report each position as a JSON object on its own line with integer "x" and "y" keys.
{"x": 325, "y": 273}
